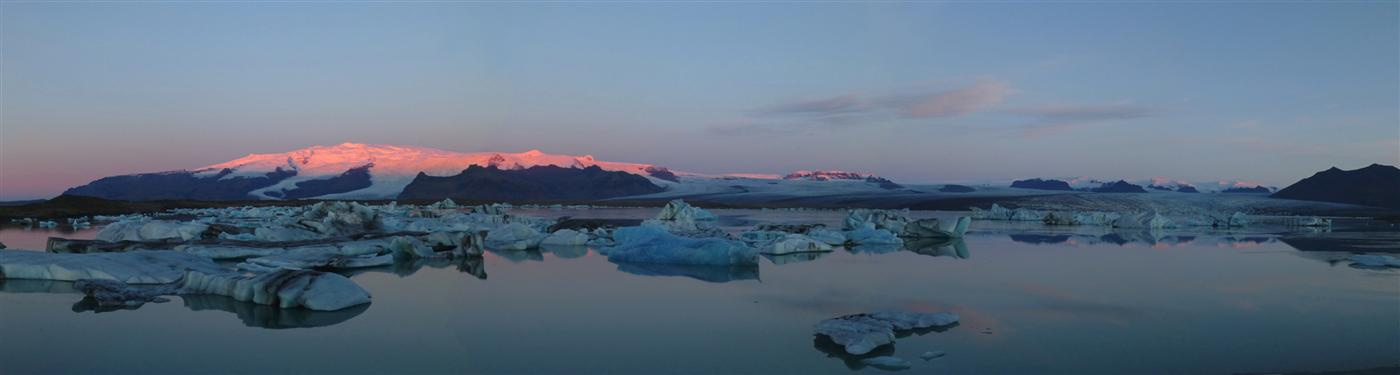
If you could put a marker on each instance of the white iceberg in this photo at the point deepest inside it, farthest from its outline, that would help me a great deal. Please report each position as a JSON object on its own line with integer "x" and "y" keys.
{"x": 653, "y": 244}
{"x": 682, "y": 218}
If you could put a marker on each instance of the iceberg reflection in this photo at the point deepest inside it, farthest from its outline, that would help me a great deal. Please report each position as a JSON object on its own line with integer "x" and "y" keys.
{"x": 712, "y": 274}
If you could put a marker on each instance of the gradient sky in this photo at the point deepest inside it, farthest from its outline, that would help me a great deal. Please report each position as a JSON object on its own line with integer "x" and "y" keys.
{"x": 1268, "y": 92}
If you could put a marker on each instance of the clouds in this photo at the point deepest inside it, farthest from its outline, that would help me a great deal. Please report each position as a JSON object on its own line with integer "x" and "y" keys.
{"x": 855, "y": 109}
{"x": 1049, "y": 120}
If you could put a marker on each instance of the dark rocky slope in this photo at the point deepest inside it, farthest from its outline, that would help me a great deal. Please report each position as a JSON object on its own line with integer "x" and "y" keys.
{"x": 1376, "y": 185}
{"x": 535, "y": 183}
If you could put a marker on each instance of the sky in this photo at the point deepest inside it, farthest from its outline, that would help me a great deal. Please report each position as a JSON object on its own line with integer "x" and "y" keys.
{"x": 917, "y": 92}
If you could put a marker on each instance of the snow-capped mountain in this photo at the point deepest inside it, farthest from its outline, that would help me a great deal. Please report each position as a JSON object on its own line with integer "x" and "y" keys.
{"x": 347, "y": 170}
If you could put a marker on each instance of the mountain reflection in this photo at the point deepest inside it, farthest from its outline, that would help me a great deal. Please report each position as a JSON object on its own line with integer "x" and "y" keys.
{"x": 938, "y": 247}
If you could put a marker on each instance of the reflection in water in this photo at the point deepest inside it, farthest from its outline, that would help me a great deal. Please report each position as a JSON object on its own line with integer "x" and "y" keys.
{"x": 795, "y": 257}
{"x": 266, "y": 316}
{"x": 877, "y": 249}
{"x": 252, "y": 314}
{"x": 1345, "y": 241}
{"x": 713, "y": 274}
{"x": 1040, "y": 239}
{"x": 518, "y": 256}
{"x": 566, "y": 251}
{"x": 938, "y": 247}
{"x": 405, "y": 267}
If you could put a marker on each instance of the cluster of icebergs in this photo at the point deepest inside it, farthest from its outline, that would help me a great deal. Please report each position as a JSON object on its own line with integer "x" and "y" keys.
{"x": 290, "y": 247}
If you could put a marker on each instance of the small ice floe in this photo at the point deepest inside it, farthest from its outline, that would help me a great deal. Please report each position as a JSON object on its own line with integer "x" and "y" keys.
{"x": 887, "y": 363}
{"x": 1374, "y": 261}
{"x": 654, "y": 244}
{"x": 48, "y": 224}
{"x": 931, "y": 355}
{"x": 935, "y": 228}
{"x": 322, "y": 291}
{"x": 325, "y": 260}
{"x": 861, "y": 333}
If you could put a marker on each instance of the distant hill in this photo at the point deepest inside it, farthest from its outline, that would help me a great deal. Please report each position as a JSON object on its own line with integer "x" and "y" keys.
{"x": 1119, "y": 186}
{"x": 1255, "y": 189}
{"x": 545, "y": 182}
{"x": 1376, "y": 185}
{"x": 1041, "y": 184}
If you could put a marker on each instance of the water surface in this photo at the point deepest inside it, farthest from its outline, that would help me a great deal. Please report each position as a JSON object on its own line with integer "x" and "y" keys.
{"x": 1032, "y": 299}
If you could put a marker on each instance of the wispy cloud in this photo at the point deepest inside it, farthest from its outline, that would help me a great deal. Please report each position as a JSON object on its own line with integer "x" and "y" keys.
{"x": 853, "y": 109}
{"x": 1048, "y": 120}
{"x": 956, "y": 102}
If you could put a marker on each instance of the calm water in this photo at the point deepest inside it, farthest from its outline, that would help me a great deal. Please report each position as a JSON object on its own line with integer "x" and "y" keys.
{"x": 1031, "y": 300}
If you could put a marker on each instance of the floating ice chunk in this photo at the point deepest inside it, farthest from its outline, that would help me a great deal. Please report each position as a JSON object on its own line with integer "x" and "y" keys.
{"x": 1309, "y": 221}
{"x": 653, "y": 244}
{"x": 284, "y": 288}
{"x": 927, "y": 356}
{"x": 902, "y": 320}
{"x": 566, "y": 237}
{"x": 151, "y": 230}
{"x": 1375, "y": 261}
{"x": 513, "y": 236}
{"x": 871, "y": 236}
{"x": 283, "y": 234}
{"x": 935, "y": 228}
{"x": 409, "y": 247}
{"x": 886, "y": 363}
{"x": 890, "y": 220}
{"x": 136, "y": 267}
{"x": 827, "y": 236}
{"x": 682, "y": 218}
{"x": 794, "y": 243}
{"x": 326, "y": 259}
{"x": 861, "y": 333}
{"x": 761, "y": 236}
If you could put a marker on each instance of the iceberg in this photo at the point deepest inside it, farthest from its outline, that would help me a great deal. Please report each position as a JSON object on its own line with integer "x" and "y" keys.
{"x": 513, "y": 236}
{"x": 313, "y": 290}
{"x": 931, "y": 355}
{"x": 566, "y": 237}
{"x": 934, "y": 228}
{"x": 997, "y": 212}
{"x": 682, "y": 218}
{"x": 135, "y": 267}
{"x": 654, "y": 244}
{"x": 890, "y": 220}
{"x": 794, "y": 243}
{"x": 871, "y": 236}
{"x": 861, "y": 333}
{"x": 151, "y": 230}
